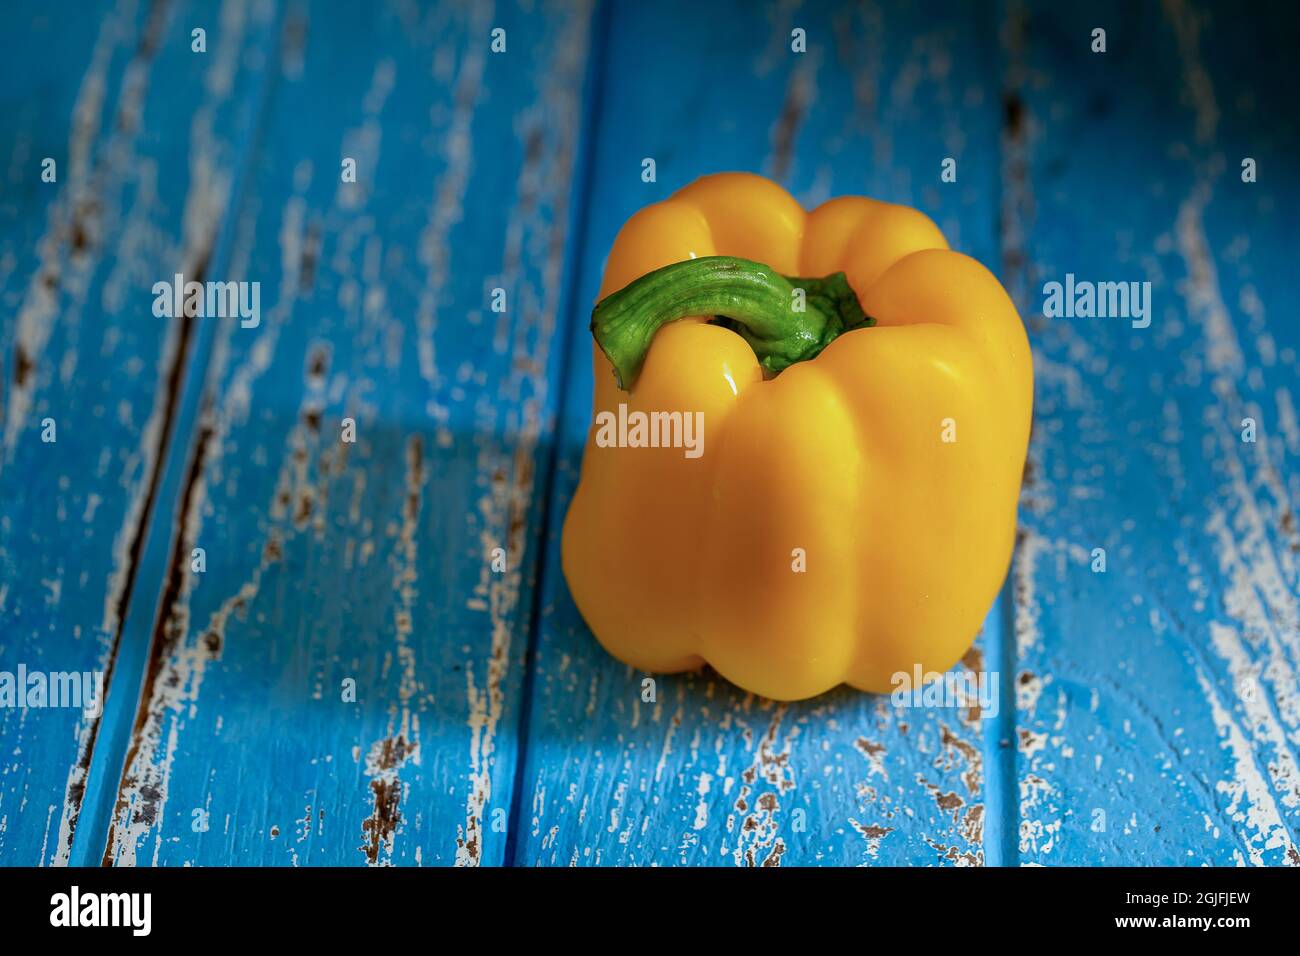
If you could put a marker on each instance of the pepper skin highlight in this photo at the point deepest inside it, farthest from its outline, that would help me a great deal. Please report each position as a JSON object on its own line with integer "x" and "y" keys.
{"x": 854, "y": 513}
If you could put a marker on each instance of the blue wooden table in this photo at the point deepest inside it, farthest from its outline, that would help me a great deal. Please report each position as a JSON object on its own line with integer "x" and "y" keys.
{"x": 308, "y": 655}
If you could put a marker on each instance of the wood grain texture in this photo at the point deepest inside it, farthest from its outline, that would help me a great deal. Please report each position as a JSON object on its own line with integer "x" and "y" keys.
{"x": 1149, "y": 714}
{"x": 708, "y": 774}
{"x": 331, "y": 562}
{"x": 1158, "y": 705}
{"x": 140, "y": 184}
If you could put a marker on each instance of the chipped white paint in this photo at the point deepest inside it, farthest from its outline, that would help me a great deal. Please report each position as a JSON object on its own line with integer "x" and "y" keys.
{"x": 758, "y": 839}
{"x": 503, "y": 505}
{"x": 702, "y": 808}
{"x": 42, "y": 304}
{"x": 142, "y": 798}
{"x": 1250, "y": 803}
{"x": 1259, "y": 596}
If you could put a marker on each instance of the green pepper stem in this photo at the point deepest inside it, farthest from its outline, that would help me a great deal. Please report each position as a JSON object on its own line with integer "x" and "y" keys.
{"x": 758, "y": 303}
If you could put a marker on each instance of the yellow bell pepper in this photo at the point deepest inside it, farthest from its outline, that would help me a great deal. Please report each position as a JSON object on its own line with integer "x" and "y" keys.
{"x": 844, "y": 515}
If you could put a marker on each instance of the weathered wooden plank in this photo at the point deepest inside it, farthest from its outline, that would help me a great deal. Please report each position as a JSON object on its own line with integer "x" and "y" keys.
{"x": 1158, "y": 706}
{"x": 139, "y": 127}
{"x": 706, "y": 774}
{"x": 334, "y": 565}
{"x": 1161, "y": 694}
